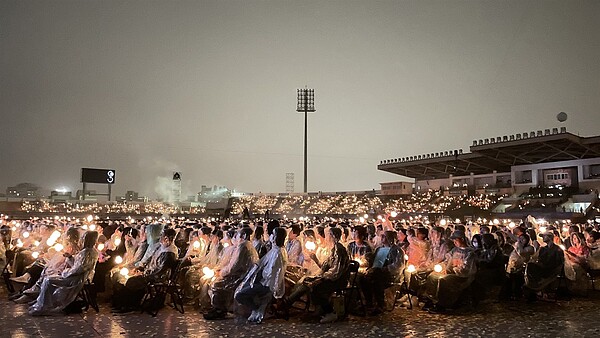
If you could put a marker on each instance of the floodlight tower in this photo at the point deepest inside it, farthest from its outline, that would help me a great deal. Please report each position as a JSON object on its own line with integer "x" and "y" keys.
{"x": 306, "y": 104}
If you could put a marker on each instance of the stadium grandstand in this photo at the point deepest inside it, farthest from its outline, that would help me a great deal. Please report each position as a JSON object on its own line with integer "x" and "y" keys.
{"x": 550, "y": 172}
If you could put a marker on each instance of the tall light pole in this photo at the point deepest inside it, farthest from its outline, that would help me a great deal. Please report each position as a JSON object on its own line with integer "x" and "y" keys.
{"x": 306, "y": 104}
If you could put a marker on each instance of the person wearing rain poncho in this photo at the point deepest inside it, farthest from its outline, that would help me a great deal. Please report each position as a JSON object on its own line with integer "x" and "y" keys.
{"x": 515, "y": 269}
{"x": 265, "y": 280}
{"x": 58, "y": 291}
{"x": 576, "y": 264}
{"x": 384, "y": 267}
{"x": 544, "y": 267}
{"x": 149, "y": 239}
{"x": 332, "y": 276}
{"x": 153, "y": 232}
{"x": 444, "y": 288}
{"x": 57, "y": 263}
{"x": 195, "y": 284}
{"x": 129, "y": 296}
{"x": 229, "y": 277}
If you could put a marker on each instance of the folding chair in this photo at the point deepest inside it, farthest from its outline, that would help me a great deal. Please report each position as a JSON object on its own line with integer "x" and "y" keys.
{"x": 156, "y": 293}
{"x": 89, "y": 295}
{"x": 6, "y": 273}
{"x": 351, "y": 287}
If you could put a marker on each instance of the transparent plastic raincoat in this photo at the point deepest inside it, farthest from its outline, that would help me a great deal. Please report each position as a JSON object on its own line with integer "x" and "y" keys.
{"x": 444, "y": 288}
{"x": 60, "y": 290}
{"x": 222, "y": 288}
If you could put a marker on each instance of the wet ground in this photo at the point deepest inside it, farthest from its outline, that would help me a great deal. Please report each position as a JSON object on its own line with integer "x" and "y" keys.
{"x": 579, "y": 317}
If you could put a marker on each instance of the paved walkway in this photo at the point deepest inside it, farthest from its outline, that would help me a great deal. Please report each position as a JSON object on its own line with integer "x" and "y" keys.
{"x": 575, "y": 318}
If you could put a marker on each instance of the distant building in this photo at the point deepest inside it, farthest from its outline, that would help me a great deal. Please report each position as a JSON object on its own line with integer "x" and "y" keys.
{"x": 396, "y": 188}
{"x": 90, "y": 195}
{"x": 56, "y": 196}
{"x": 23, "y": 190}
{"x": 132, "y": 196}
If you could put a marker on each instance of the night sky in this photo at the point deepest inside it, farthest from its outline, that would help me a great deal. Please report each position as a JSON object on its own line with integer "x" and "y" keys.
{"x": 209, "y": 87}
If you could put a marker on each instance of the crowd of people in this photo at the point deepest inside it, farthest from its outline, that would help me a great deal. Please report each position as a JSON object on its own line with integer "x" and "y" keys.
{"x": 359, "y": 204}
{"x": 225, "y": 266}
{"x": 117, "y": 208}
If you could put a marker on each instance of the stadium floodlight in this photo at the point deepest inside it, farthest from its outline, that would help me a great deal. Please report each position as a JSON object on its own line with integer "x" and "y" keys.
{"x": 306, "y": 104}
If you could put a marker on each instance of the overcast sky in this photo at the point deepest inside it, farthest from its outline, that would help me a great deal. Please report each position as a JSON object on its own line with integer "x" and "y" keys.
{"x": 209, "y": 87}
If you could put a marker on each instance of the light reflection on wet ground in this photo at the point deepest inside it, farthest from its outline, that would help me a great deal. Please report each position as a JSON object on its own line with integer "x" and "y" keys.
{"x": 575, "y": 318}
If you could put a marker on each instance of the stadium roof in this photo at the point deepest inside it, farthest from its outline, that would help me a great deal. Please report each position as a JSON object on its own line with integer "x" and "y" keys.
{"x": 497, "y": 154}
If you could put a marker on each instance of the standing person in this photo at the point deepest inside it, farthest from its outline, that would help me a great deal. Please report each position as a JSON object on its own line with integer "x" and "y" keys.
{"x": 265, "y": 280}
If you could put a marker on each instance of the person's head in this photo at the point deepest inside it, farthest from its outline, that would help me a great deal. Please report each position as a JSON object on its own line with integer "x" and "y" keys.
{"x": 72, "y": 236}
{"x": 389, "y": 238}
{"x": 500, "y": 238}
{"x": 477, "y": 241}
{"x": 484, "y": 229}
{"x": 335, "y": 234}
{"x": 272, "y": 225}
{"x": 153, "y": 233}
{"x": 371, "y": 230}
{"x": 488, "y": 241}
{"x": 89, "y": 239}
{"x": 259, "y": 233}
{"x": 594, "y": 237}
{"x": 547, "y": 237}
{"x": 573, "y": 229}
{"x": 359, "y": 233}
{"x": 279, "y": 235}
{"x": 436, "y": 234}
{"x": 168, "y": 237}
{"x": 577, "y": 239}
{"x": 422, "y": 233}
{"x": 216, "y": 236}
{"x": 205, "y": 231}
{"x": 321, "y": 232}
{"x": 295, "y": 231}
{"x": 458, "y": 238}
{"x": 243, "y": 234}
{"x": 402, "y": 235}
{"x": 524, "y": 239}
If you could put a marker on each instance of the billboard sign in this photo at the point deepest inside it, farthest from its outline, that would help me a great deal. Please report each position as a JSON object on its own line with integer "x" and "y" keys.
{"x": 100, "y": 176}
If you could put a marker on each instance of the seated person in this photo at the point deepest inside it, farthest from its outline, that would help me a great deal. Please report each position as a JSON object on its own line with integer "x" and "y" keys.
{"x": 229, "y": 277}
{"x": 332, "y": 276}
{"x": 58, "y": 291}
{"x": 418, "y": 249}
{"x": 57, "y": 263}
{"x": 127, "y": 298}
{"x": 265, "y": 280}
{"x": 359, "y": 249}
{"x": 195, "y": 283}
{"x": 384, "y": 268}
{"x": 515, "y": 269}
{"x": 490, "y": 263}
{"x": 576, "y": 264}
{"x": 295, "y": 254}
{"x": 544, "y": 268}
{"x": 444, "y": 288}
